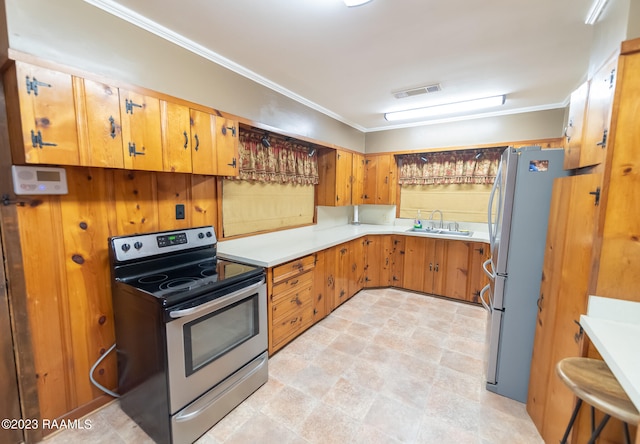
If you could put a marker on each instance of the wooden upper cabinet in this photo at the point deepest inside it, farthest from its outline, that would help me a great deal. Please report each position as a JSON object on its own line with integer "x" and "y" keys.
{"x": 203, "y": 153}
{"x": 226, "y": 139}
{"x": 176, "y": 137}
{"x": 574, "y": 128}
{"x": 380, "y": 179}
{"x": 357, "y": 179}
{"x": 598, "y": 115}
{"x": 41, "y": 115}
{"x": 335, "y": 171}
{"x": 141, "y": 133}
{"x": 99, "y": 126}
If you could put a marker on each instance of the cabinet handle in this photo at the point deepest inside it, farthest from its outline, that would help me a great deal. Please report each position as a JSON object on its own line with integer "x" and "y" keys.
{"x": 437, "y": 266}
{"x": 232, "y": 164}
{"x": 197, "y": 142}
{"x": 36, "y": 140}
{"x": 430, "y": 266}
{"x": 539, "y": 302}
{"x": 294, "y": 282}
{"x": 112, "y": 121}
{"x": 133, "y": 152}
{"x": 186, "y": 139}
{"x": 32, "y": 85}
{"x": 129, "y": 104}
{"x": 230, "y": 128}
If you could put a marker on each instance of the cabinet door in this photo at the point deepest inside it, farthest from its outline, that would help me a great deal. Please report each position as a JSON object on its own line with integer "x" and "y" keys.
{"x": 378, "y": 261}
{"x": 341, "y": 277}
{"x": 141, "y": 134}
{"x": 176, "y": 137}
{"x": 344, "y": 162}
{"x": 226, "y": 138}
{"x": 370, "y": 180}
{"x": 575, "y": 126}
{"x": 397, "y": 260}
{"x": 320, "y": 303}
{"x": 99, "y": 126}
{"x": 414, "y": 267}
{"x": 47, "y": 114}
{"x": 434, "y": 278}
{"x": 479, "y": 253}
{"x": 330, "y": 272}
{"x": 357, "y": 179}
{"x": 454, "y": 269}
{"x": 356, "y": 266}
{"x": 386, "y": 180}
{"x": 571, "y": 295}
{"x": 203, "y": 154}
{"x": 598, "y": 115}
{"x": 547, "y": 302}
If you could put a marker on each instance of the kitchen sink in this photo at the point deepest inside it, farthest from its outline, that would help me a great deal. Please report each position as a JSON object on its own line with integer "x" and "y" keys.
{"x": 440, "y": 231}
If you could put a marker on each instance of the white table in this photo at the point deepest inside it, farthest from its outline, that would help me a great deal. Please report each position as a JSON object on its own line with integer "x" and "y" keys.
{"x": 613, "y": 326}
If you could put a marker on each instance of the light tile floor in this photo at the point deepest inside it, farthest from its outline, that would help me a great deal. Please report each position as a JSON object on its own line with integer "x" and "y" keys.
{"x": 388, "y": 366}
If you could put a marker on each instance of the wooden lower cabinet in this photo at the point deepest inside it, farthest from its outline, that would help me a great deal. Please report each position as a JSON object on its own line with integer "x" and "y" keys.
{"x": 479, "y": 252}
{"x": 290, "y": 303}
{"x": 304, "y": 291}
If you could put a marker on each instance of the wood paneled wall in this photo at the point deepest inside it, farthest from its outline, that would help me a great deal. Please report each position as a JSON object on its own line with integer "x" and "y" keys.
{"x": 67, "y": 273}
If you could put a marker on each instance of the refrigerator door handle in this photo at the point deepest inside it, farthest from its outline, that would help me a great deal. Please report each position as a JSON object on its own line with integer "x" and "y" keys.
{"x": 490, "y": 206}
{"x": 482, "y": 299}
{"x": 491, "y": 274}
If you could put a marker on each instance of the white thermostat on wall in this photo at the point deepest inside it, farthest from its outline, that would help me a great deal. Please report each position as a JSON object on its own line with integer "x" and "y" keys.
{"x": 39, "y": 180}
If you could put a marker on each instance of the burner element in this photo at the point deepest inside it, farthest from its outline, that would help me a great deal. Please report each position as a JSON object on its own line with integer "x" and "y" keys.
{"x": 152, "y": 279}
{"x": 206, "y": 272}
{"x": 179, "y": 283}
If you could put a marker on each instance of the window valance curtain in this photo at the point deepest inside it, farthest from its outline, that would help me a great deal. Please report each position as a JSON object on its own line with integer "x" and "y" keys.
{"x": 476, "y": 166}
{"x": 283, "y": 162}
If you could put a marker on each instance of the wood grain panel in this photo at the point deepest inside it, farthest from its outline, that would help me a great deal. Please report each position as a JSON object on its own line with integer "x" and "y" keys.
{"x": 203, "y": 139}
{"x": 173, "y": 190}
{"x": 51, "y": 112}
{"x": 141, "y": 127}
{"x": 46, "y": 305}
{"x": 99, "y": 126}
{"x": 204, "y": 202}
{"x": 86, "y": 224}
{"x": 136, "y": 202}
{"x": 176, "y": 137}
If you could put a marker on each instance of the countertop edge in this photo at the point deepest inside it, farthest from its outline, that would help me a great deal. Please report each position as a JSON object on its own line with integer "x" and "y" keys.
{"x": 259, "y": 250}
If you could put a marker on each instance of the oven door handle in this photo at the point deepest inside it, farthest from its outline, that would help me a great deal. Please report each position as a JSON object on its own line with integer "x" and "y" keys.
{"x": 217, "y": 304}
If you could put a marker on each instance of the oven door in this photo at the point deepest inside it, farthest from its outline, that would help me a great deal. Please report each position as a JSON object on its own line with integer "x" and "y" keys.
{"x": 209, "y": 342}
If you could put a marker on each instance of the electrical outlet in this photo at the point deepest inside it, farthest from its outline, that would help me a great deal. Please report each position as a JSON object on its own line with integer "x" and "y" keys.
{"x": 179, "y": 211}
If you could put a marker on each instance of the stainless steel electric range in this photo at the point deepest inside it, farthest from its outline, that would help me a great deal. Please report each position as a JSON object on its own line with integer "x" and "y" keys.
{"x": 191, "y": 331}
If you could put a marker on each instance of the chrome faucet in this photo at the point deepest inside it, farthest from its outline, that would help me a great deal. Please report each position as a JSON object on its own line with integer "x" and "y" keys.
{"x": 441, "y": 218}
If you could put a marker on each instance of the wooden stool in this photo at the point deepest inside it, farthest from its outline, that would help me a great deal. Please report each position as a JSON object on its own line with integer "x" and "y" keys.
{"x": 592, "y": 382}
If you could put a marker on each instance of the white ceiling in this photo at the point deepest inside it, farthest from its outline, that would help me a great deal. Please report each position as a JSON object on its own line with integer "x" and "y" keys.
{"x": 346, "y": 62}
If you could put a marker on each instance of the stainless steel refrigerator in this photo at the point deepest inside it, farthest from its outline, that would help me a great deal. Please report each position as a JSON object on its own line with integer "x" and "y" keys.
{"x": 518, "y": 215}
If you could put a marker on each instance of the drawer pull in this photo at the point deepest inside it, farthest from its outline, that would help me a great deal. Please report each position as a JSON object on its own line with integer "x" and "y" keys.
{"x": 294, "y": 282}
{"x": 296, "y": 300}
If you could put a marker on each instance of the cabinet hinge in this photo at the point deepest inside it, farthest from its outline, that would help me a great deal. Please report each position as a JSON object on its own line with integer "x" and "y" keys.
{"x": 36, "y": 140}
{"x": 603, "y": 142}
{"x": 32, "y": 85}
{"x": 133, "y": 152}
{"x": 596, "y": 193}
{"x": 230, "y": 128}
{"x": 129, "y": 104}
{"x": 232, "y": 164}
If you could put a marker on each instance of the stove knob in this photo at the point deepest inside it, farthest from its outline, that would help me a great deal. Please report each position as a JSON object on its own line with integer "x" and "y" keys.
{"x": 137, "y": 245}
{"x": 209, "y": 234}
{"x": 200, "y": 236}
{"x": 126, "y": 247}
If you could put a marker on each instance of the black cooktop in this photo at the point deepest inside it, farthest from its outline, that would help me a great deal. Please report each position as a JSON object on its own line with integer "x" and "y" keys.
{"x": 182, "y": 281}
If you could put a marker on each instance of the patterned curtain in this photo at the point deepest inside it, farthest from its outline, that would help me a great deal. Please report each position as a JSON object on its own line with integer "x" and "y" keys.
{"x": 478, "y": 166}
{"x": 282, "y": 162}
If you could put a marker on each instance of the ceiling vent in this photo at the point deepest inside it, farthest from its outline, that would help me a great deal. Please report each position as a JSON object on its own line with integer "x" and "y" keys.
{"x": 417, "y": 91}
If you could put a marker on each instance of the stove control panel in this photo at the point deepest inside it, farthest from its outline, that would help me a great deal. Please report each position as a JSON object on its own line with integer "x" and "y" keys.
{"x": 144, "y": 245}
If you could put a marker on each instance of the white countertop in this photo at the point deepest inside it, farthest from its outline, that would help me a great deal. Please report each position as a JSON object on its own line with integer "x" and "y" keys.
{"x": 613, "y": 325}
{"x": 271, "y": 249}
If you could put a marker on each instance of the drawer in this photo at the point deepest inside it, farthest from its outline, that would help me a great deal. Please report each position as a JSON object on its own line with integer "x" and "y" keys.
{"x": 293, "y": 268}
{"x": 299, "y": 281}
{"x": 291, "y": 301}
{"x": 288, "y": 326}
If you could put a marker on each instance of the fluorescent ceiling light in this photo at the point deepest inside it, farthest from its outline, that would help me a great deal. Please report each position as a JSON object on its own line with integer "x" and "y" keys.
{"x": 351, "y": 3}
{"x": 447, "y": 108}
{"x": 595, "y": 12}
